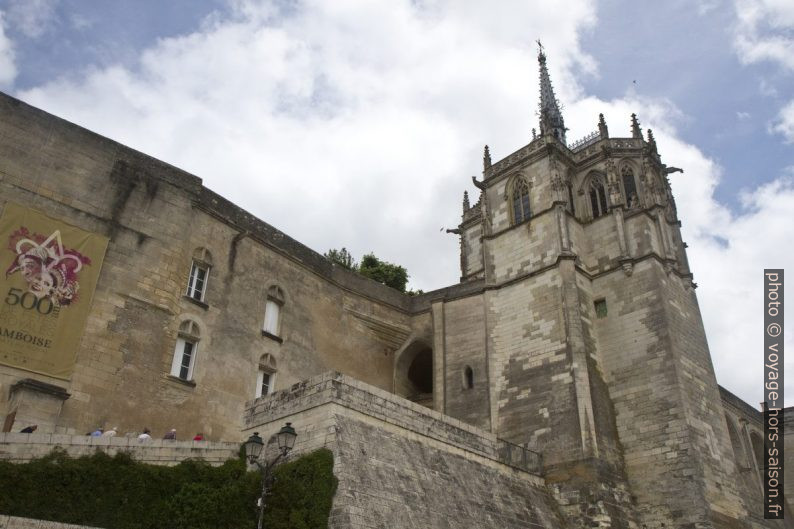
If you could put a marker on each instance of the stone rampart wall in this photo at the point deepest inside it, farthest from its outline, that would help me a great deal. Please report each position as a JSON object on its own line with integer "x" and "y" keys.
{"x": 403, "y": 466}
{"x": 333, "y": 387}
{"x": 21, "y": 447}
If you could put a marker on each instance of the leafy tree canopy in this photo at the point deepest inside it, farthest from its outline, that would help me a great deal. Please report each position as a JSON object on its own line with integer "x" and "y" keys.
{"x": 389, "y": 274}
{"x": 342, "y": 258}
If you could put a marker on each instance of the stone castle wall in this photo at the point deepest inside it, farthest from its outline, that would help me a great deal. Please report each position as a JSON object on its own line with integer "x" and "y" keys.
{"x": 157, "y": 218}
{"x": 401, "y": 465}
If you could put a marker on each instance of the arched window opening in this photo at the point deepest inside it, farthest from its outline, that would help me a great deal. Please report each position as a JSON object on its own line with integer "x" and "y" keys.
{"x": 184, "y": 359}
{"x": 598, "y": 198}
{"x": 468, "y": 378}
{"x": 630, "y": 187}
{"x": 266, "y": 376}
{"x": 273, "y": 310}
{"x": 521, "y": 210}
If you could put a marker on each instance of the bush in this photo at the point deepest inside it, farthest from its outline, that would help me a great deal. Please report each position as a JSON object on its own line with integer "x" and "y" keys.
{"x": 119, "y": 493}
{"x": 302, "y": 493}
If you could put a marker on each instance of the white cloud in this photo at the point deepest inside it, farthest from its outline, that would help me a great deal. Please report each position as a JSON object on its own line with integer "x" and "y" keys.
{"x": 348, "y": 110}
{"x": 763, "y": 31}
{"x": 784, "y": 124}
{"x": 359, "y": 123}
{"x": 32, "y": 17}
{"x": 8, "y": 69}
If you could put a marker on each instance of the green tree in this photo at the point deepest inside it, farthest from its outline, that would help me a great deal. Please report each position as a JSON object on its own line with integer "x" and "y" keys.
{"x": 389, "y": 274}
{"x": 341, "y": 257}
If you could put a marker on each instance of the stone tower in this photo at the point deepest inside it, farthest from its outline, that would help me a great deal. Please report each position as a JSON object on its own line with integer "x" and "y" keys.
{"x": 594, "y": 351}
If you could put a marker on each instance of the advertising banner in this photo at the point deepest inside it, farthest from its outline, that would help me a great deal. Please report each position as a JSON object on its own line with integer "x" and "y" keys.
{"x": 48, "y": 272}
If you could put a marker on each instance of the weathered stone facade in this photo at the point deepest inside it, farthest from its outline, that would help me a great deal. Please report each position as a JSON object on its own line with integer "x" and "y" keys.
{"x": 574, "y": 333}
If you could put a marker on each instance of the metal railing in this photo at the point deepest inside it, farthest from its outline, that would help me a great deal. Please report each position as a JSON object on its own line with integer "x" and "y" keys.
{"x": 519, "y": 457}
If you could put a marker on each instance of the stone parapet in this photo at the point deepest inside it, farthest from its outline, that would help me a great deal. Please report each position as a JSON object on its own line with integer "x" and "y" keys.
{"x": 14, "y": 522}
{"x": 22, "y": 447}
{"x": 357, "y": 396}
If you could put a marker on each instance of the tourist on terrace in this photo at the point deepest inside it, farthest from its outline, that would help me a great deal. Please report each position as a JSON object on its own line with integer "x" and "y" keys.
{"x": 111, "y": 433}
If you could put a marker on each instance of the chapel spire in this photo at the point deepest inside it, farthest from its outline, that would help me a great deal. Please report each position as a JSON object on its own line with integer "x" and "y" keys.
{"x": 551, "y": 121}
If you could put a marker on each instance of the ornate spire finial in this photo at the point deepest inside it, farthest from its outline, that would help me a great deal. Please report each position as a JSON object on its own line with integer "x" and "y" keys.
{"x": 636, "y": 132}
{"x": 551, "y": 121}
{"x": 486, "y": 158}
{"x": 651, "y": 140}
{"x": 534, "y": 133}
{"x": 466, "y": 205}
{"x": 602, "y": 127}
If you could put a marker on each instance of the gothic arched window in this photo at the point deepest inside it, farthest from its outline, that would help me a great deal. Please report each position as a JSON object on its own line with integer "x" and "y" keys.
{"x": 598, "y": 198}
{"x": 630, "y": 187}
{"x": 521, "y": 201}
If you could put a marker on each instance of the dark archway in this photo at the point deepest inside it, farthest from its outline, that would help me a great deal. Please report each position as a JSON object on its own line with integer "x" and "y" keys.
{"x": 413, "y": 374}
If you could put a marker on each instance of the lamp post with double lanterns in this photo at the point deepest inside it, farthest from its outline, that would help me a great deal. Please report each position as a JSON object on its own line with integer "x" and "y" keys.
{"x": 253, "y": 449}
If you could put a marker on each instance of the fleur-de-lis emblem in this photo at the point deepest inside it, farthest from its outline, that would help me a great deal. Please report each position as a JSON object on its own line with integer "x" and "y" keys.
{"x": 49, "y": 269}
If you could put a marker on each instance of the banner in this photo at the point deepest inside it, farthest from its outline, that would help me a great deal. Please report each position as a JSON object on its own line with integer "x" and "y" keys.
{"x": 48, "y": 272}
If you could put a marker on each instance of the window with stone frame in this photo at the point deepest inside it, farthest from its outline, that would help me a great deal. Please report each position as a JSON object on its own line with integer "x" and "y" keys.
{"x": 184, "y": 360}
{"x": 598, "y": 198}
{"x": 199, "y": 274}
{"x": 273, "y": 309}
{"x": 520, "y": 200}
{"x": 266, "y": 376}
{"x": 600, "y": 308}
{"x": 629, "y": 187}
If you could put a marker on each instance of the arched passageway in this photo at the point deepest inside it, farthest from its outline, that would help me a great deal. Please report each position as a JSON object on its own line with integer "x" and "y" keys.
{"x": 413, "y": 374}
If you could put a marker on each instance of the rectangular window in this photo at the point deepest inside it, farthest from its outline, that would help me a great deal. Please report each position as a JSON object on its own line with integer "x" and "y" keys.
{"x": 197, "y": 281}
{"x": 600, "y": 308}
{"x": 184, "y": 358}
{"x": 272, "y": 310}
{"x": 264, "y": 383}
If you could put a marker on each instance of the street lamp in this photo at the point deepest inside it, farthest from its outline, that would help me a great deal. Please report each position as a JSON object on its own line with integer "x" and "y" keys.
{"x": 253, "y": 449}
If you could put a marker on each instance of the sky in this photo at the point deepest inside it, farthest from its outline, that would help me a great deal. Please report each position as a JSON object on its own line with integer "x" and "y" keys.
{"x": 359, "y": 123}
